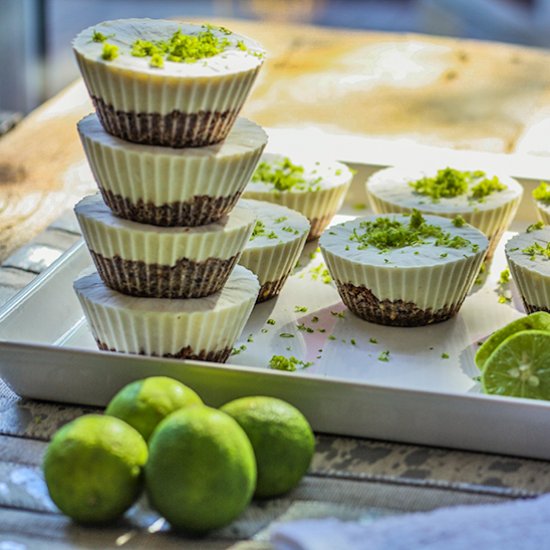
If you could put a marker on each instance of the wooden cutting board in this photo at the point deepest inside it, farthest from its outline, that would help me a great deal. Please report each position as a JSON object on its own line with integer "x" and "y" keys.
{"x": 424, "y": 89}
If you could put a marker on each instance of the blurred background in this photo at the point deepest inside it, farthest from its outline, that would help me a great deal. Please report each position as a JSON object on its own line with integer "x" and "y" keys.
{"x": 37, "y": 61}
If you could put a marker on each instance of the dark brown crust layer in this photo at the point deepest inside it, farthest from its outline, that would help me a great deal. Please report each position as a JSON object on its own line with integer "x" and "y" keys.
{"x": 318, "y": 225}
{"x": 185, "y": 279}
{"x": 200, "y": 210}
{"x": 361, "y": 301}
{"x": 271, "y": 289}
{"x": 529, "y": 308}
{"x": 217, "y": 356}
{"x": 175, "y": 129}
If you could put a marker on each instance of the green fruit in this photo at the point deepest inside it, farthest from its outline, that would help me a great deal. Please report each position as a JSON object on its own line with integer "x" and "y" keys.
{"x": 536, "y": 321}
{"x": 144, "y": 403}
{"x": 201, "y": 471}
{"x": 282, "y": 439}
{"x": 93, "y": 468}
{"x": 520, "y": 366}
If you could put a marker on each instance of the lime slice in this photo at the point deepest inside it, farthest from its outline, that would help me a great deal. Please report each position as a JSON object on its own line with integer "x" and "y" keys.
{"x": 539, "y": 320}
{"x": 520, "y": 366}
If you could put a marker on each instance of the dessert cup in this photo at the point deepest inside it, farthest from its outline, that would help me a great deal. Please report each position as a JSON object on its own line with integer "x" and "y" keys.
{"x": 274, "y": 246}
{"x": 164, "y": 82}
{"x": 200, "y": 328}
{"x": 418, "y": 280}
{"x": 163, "y": 262}
{"x": 167, "y": 186}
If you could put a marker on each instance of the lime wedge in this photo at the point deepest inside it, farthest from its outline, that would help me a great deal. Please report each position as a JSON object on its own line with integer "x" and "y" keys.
{"x": 539, "y": 320}
{"x": 520, "y": 366}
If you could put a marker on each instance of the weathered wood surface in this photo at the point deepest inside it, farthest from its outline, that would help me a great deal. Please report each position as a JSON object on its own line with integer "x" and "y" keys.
{"x": 424, "y": 89}
{"x": 27, "y": 515}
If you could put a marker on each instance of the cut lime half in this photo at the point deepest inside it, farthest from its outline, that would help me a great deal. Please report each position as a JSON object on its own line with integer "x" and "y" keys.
{"x": 539, "y": 320}
{"x": 520, "y": 366}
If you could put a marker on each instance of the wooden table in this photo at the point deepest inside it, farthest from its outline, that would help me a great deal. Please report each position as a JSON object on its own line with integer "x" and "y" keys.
{"x": 484, "y": 96}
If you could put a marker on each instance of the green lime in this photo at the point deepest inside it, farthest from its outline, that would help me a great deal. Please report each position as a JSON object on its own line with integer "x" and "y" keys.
{"x": 520, "y": 366}
{"x": 539, "y": 320}
{"x": 94, "y": 468}
{"x": 282, "y": 439}
{"x": 201, "y": 470}
{"x": 144, "y": 403}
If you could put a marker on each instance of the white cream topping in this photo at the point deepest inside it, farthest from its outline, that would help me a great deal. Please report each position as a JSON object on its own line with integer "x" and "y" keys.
{"x": 94, "y": 208}
{"x": 534, "y": 262}
{"x": 124, "y": 32}
{"x": 110, "y": 236}
{"x": 244, "y": 137}
{"x": 337, "y": 240}
{"x": 317, "y": 174}
{"x": 280, "y": 224}
{"x": 393, "y": 186}
{"x": 240, "y": 287}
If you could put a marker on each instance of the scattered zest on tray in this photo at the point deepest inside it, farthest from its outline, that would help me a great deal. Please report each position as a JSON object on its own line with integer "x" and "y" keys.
{"x": 503, "y": 287}
{"x": 280, "y": 362}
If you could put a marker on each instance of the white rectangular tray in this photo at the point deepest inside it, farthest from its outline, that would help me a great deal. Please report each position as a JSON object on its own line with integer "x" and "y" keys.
{"x": 47, "y": 352}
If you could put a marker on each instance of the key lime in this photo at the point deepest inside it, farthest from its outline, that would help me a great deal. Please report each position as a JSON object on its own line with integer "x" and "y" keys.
{"x": 539, "y": 320}
{"x": 520, "y": 366}
{"x": 144, "y": 403}
{"x": 282, "y": 439}
{"x": 201, "y": 471}
{"x": 93, "y": 468}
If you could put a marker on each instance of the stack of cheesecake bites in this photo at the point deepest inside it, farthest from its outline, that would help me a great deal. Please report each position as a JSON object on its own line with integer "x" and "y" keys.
{"x": 171, "y": 160}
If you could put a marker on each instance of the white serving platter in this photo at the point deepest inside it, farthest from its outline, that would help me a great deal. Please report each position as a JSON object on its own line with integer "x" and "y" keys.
{"x": 419, "y": 395}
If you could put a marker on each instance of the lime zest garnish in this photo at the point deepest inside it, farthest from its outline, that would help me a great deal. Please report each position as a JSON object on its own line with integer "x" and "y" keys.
{"x": 181, "y": 48}
{"x": 284, "y": 175}
{"x": 261, "y": 231}
{"x": 486, "y": 187}
{"x": 542, "y": 192}
{"x": 536, "y": 249}
{"x": 157, "y": 61}
{"x": 320, "y": 273}
{"x": 100, "y": 37}
{"x": 503, "y": 287}
{"x": 236, "y": 351}
{"x": 280, "y": 362}
{"x": 386, "y": 234}
{"x": 459, "y": 221}
{"x": 109, "y": 52}
{"x": 450, "y": 183}
{"x": 534, "y": 227}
